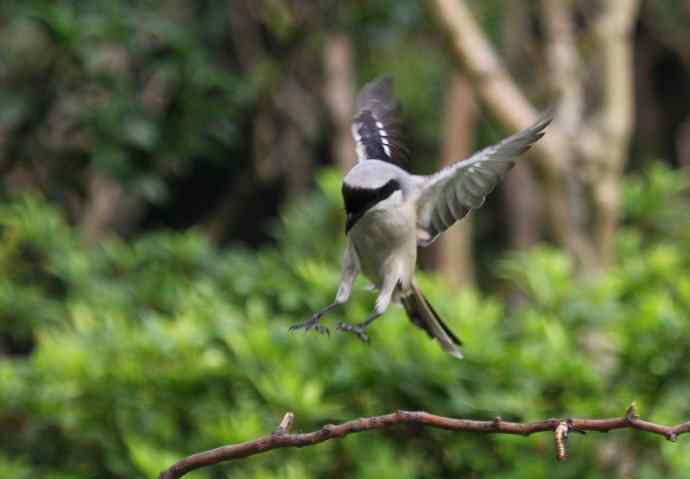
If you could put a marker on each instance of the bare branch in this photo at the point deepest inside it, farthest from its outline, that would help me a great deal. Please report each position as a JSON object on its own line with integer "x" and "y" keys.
{"x": 283, "y": 438}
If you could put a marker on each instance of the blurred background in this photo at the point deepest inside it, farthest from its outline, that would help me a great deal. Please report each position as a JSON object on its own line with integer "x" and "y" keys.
{"x": 170, "y": 203}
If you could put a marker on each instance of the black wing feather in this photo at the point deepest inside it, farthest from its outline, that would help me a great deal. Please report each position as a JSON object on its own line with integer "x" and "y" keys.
{"x": 376, "y": 126}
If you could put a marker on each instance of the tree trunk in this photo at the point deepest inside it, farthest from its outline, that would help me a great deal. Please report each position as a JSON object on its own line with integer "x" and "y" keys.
{"x": 451, "y": 253}
{"x": 581, "y": 158}
{"x": 522, "y": 199}
{"x": 340, "y": 97}
{"x": 109, "y": 208}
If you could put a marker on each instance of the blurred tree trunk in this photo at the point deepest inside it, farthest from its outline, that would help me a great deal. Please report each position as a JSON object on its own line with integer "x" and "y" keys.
{"x": 522, "y": 204}
{"x": 285, "y": 126}
{"x": 581, "y": 158}
{"x": 339, "y": 96}
{"x": 451, "y": 253}
{"x": 683, "y": 144}
{"x": 109, "y": 207}
{"x": 522, "y": 198}
{"x": 247, "y": 46}
{"x": 605, "y": 134}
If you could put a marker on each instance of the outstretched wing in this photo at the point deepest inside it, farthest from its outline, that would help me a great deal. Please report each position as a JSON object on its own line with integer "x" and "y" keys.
{"x": 376, "y": 124}
{"x": 447, "y": 196}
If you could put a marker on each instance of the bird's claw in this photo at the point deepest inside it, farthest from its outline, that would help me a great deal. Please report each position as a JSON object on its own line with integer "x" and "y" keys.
{"x": 354, "y": 328}
{"x": 309, "y": 324}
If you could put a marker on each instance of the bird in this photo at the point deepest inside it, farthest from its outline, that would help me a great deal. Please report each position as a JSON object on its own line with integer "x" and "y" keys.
{"x": 391, "y": 212}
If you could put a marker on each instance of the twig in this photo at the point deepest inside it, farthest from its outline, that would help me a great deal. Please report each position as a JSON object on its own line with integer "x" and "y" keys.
{"x": 285, "y": 424}
{"x": 283, "y": 438}
{"x": 560, "y": 435}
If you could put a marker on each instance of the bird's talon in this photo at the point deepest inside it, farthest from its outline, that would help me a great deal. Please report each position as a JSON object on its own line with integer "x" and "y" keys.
{"x": 312, "y": 323}
{"x": 354, "y": 328}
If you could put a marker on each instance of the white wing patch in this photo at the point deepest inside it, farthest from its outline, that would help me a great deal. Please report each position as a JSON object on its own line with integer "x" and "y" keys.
{"x": 384, "y": 138}
{"x": 361, "y": 150}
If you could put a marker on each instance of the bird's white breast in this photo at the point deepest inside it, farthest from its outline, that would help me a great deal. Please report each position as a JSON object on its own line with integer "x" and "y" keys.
{"x": 385, "y": 241}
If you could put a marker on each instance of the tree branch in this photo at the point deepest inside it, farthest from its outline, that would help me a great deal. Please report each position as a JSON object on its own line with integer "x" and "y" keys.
{"x": 283, "y": 438}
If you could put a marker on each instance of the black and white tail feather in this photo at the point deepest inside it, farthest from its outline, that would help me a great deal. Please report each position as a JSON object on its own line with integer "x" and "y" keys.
{"x": 424, "y": 316}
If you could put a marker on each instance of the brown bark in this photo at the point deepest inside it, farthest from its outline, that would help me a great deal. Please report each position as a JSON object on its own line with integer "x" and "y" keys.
{"x": 683, "y": 144}
{"x": 290, "y": 155}
{"x": 522, "y": 199}
{"x": 109, "y": 207}
{"x": 522, "y": 203}
{"x": 339, "y": 96}
{"x": 565, "y": 75}
{"x": 565, "y": 193}
{"x": 452, "y": 252}
{"x": 245, "y": 33}
{"x": 604, "y": 141}
{"x": 495, "y": 86}
{"x": 491, "y": 80}
{"x": 576, "y": 150}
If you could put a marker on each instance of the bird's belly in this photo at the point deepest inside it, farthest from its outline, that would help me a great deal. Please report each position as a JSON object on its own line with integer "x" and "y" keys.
{"x": 385, "y": 244}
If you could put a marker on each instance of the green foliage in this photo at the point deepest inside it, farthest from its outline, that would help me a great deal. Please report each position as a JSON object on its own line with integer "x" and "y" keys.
{"x": 657, "y": 203}
{"x": 134, "y": 93}
{"x": 133, "y": 355}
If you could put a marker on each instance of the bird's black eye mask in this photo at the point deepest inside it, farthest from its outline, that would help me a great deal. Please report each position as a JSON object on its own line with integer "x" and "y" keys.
{"x": 359, "y": 200}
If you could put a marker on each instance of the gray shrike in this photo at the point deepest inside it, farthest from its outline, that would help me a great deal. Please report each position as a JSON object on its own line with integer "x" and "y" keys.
{"x": 391, "y": 212}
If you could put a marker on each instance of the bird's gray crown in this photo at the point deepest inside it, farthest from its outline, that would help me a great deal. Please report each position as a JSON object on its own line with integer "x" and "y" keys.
{"x": 373, "y": 174}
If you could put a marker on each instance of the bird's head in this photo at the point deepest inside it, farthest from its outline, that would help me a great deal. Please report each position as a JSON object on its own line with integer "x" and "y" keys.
{"x": 370, "y": 186}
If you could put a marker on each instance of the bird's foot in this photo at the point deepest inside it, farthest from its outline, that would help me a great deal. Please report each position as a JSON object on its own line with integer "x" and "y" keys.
{"x": 354, "y": 328}
{"x": 309, "y": 324}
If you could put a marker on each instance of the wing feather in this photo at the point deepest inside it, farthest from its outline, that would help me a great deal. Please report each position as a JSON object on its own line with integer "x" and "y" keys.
{"x": 376, "y": 126}
{"x": 450, "y": 194}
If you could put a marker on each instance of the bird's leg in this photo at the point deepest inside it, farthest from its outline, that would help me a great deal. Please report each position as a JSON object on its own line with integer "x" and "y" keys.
{"x": 382, "y": 302}
{"x": 313, "y": 322}
{"x": 350, "y": 271}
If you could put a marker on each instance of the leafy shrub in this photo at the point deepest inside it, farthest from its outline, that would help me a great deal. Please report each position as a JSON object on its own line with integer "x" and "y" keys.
{"x": 120, "y": 357}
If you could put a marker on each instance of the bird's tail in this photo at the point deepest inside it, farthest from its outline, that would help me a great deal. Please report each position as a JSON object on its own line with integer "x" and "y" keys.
{"x": 423, "y": 315}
